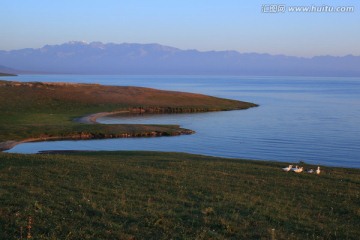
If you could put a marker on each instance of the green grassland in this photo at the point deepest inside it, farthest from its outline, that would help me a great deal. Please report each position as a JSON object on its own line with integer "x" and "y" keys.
{"x": 151, "y": 195}
{"x": 47, "y": 110}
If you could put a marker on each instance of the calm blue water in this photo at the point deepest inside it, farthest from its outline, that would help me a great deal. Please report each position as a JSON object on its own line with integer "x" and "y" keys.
{"x": 316, "y": 120}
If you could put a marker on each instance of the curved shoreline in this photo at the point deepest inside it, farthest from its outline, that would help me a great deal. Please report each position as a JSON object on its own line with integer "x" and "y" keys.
{"x": 88, "y": 119}
{"x": 4, "y": 146}
{"x": 92, "y": 118}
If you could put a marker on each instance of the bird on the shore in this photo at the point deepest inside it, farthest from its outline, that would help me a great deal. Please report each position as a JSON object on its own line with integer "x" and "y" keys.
{"x": 318, "y": 170}
{"x": 310, "y": 171}
{"x": 298, "y": 170}
{"x": 287, "y": 168}
{"x": 295, "y": 168}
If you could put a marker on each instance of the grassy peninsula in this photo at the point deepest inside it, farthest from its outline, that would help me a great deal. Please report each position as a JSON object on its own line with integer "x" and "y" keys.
{"x": 45, "y": 111}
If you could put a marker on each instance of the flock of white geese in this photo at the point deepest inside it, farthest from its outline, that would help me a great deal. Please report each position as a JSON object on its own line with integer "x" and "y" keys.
{"x": 297, "y": 169}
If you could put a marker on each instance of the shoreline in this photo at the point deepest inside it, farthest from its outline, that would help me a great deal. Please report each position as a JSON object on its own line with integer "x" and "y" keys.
{"x": 4, "y": 146}
{"x": 92, "y": 118}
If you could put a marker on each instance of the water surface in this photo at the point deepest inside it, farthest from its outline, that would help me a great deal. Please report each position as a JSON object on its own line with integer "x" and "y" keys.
{"x": 316, "y": 120}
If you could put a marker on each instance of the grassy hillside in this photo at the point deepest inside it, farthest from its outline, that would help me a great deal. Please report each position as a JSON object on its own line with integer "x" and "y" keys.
{"x": 47, "y": 110}
{"x": 148, "y": 195}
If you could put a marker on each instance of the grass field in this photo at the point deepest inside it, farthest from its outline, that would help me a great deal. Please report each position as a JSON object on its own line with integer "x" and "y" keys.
{"x": 150, "y": 195}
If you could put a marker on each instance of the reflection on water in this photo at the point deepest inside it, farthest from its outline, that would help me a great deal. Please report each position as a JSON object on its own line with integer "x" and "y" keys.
{"x": 315, "y": 120}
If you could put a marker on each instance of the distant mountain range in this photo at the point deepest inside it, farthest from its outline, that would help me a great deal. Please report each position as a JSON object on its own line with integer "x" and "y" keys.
{"x": 131, "y": 58}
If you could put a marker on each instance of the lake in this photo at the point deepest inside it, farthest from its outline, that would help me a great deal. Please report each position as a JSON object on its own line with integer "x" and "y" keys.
{"x": 315, "y": 120}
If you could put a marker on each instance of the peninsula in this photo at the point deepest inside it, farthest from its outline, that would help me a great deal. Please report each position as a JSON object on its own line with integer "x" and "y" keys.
{"x": 36, "y": 111}
{"x": 6, "y": 74}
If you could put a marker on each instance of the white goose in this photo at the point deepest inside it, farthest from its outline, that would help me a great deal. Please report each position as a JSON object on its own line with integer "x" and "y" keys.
{"x": 295, "y": 168}
{"x": 318, "y": 170}
{"x": 310, "y": 171}
{"x": 298, "y": 170}
{"x": 287, "y": 168}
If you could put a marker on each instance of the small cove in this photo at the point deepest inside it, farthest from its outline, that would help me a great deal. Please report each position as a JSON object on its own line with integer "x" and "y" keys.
{"x": 315, "y": 120}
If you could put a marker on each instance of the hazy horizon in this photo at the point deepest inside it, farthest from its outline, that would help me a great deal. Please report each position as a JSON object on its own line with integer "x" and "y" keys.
{"x": 183, "y": 49}
{"x": 245, "y": 27}
{"x": 98, "y": 58}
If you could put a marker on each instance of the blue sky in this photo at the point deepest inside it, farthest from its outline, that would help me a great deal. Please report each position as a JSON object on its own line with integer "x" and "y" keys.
{"x": 186, "y": 24}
